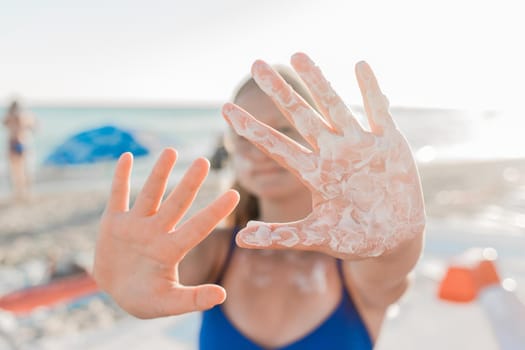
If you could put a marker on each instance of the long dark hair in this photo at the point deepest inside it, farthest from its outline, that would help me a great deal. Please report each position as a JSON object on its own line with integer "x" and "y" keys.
{"x": 248, "y": 207}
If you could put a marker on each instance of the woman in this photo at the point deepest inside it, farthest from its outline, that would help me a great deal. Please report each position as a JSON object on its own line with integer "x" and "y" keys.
{"x": 18, "y": 124}
{"x": 340, "y": 223}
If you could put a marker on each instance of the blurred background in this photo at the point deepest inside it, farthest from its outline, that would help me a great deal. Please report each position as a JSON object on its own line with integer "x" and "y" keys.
{"x": 102, "y": 77}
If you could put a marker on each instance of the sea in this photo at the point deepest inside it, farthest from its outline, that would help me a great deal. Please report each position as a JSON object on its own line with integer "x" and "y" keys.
{"x": 194, "y": 132}
{"x": 466, "y": 157}
{"x": 434, "y": 134}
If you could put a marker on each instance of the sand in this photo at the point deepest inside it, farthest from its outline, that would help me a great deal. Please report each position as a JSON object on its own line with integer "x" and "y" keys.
{"x": 51, "y": 235}
{"x": 469, "y": 204}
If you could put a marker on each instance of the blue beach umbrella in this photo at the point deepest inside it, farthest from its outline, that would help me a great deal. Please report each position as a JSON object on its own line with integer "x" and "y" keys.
{"x": 95, "y": 145}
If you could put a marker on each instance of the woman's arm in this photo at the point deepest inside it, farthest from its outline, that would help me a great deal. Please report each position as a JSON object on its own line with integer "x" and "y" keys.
{"x": 381, "y": 281}
{"x": 203, "y": 263}
{"x": 367, "y": 201}
{"x": 376, "y": 283}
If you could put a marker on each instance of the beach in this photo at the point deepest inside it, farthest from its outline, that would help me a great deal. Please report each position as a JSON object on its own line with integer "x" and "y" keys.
{"x": 52, "y": 235}
{"x": 469, "y": 201}
{"x": 57, "y": 229}
{"x": 450, "y": 73}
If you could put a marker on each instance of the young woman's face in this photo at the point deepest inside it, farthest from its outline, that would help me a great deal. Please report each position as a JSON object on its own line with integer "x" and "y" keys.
{"x": 255, "y": 171}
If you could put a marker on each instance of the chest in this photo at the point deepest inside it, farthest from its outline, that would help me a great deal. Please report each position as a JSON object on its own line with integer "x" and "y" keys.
{"x": 289, "y": 293}
{"x": 291, "y": 273}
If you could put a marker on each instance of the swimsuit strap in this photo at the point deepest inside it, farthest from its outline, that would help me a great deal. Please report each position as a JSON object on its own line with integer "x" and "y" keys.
{"x": 339, "y": 263}
{"x": 229, "y": 255}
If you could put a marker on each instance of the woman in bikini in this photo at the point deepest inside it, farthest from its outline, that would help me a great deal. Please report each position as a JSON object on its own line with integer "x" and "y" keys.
{"x": 19, "y": 124}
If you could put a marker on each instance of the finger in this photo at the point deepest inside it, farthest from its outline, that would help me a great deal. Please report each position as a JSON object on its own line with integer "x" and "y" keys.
{"x": 119, "y": 196}
{"x": 300, "y": 114}
{"x": 296, "y": 158}
{"x": 199, "y": 226}
{"x": 186, "y": 299}
{"x": 181, "y": 197}
{"x": 149, "y": 198}
{"x": 331, "y": 105}
{"x": 376, "y": 104}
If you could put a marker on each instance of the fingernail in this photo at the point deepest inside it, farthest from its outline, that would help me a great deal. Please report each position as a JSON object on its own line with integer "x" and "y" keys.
{"x": 232, "y": 115}
{"x": 261, "y": 237}
{"x": 258, "y": 65}
{"x": 363, "y": 70}
{"x": 227, "y": 108}
{"x": 301, "y": 61}
{"x": 262, "y": 74}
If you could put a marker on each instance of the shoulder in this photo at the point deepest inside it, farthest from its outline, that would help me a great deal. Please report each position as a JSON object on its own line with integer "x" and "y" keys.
{"x": 218, "y": 245}
{"x": 222, "y": 236}
{"x": 203, "y": 262}
{"x": 222, "y": 239}
{"x": 223, "y": 231}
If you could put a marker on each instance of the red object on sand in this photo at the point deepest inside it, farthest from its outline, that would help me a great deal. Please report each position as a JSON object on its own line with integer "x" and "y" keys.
{"x": 468, "y": 276}
{"x": 65, "y": 289}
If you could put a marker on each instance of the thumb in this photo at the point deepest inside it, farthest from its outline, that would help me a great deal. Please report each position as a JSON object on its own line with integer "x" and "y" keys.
{"x": 300, "y": 235}
{"x": 186, "y": 299}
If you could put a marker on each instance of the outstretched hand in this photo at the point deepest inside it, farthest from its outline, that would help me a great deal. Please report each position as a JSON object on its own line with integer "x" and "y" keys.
{"x": 138, "y": 250}
{"x": 366, "y": 191}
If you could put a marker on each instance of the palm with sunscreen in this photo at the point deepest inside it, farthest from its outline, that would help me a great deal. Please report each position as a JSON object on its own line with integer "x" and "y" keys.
{"x": 366, "y": 192}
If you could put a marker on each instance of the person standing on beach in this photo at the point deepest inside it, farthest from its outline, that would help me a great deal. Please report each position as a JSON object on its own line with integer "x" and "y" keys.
{"x": 340, "y": 222}
{"x": 19, "y": 124}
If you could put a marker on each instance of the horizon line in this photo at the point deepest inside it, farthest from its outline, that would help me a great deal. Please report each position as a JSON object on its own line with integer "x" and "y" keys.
{"x": 197, "y": 104}
{"x": 37, "y": 103}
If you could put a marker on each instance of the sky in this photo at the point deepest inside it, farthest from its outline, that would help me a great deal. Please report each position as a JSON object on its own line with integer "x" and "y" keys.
{"x": 445, "y": 54}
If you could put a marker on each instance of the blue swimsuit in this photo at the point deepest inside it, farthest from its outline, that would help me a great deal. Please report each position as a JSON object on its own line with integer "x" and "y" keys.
{"x": 16, "y": 147}
{"x": 343, "y": 329}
